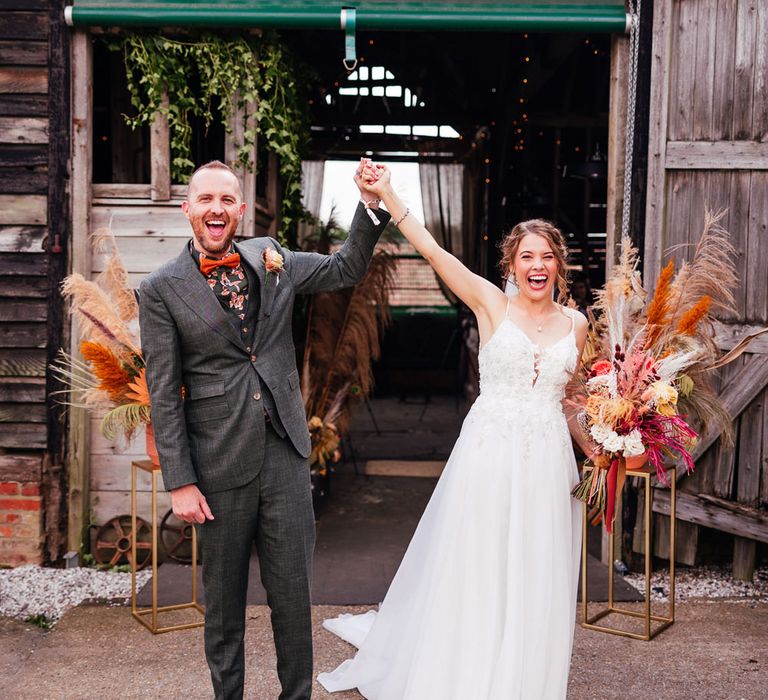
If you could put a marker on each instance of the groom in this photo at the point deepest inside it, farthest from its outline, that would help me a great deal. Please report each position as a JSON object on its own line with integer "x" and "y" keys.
{"x": 228, "y": 415}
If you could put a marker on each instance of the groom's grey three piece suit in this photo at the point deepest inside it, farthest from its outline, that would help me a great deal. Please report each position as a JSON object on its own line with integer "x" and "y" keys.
{"x": 240, "y": 433}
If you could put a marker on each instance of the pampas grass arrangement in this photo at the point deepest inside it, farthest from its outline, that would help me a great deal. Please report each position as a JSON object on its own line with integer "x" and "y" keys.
{"x": 111, "y": 376}
{"x": 344, "y": 331}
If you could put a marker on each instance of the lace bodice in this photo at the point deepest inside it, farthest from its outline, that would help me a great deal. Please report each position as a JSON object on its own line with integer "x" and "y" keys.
{"x": 511, "y": 364}
{"x": 521, "y": 381}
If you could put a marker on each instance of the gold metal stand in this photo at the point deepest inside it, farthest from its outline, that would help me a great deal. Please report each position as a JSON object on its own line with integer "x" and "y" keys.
{"x": 153, "y": 612}
{"x": 646, "y": 616}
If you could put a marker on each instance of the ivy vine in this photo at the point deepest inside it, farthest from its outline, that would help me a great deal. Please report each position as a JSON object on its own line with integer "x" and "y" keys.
{"x": 210, "y": 76}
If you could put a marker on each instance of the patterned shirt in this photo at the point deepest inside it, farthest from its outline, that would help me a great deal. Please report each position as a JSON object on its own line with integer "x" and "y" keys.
{"x": 230, "y": 285}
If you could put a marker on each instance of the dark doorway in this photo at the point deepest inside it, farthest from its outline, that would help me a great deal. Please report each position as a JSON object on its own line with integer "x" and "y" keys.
{"x": 527, "y": 117}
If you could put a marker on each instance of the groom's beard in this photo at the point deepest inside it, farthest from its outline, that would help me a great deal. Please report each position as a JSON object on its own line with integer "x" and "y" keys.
{"x": 206, "y": 242}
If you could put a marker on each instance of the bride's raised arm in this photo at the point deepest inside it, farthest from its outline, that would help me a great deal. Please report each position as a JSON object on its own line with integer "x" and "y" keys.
{"x": 480, "y": 295}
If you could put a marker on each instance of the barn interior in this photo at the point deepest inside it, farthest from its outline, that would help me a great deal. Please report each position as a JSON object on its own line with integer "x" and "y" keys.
{"x": 524, "y": 116}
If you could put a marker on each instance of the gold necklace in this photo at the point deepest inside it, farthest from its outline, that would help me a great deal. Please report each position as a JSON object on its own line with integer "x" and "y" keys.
{"x": 540, "y": 325}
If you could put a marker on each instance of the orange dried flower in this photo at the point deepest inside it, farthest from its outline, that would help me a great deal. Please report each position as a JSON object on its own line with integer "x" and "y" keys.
{"x": 659, "y": 306}
{"x": 139, "y": 391}
{"x": 689, "y": 321}
{"x": 107, "y": 368}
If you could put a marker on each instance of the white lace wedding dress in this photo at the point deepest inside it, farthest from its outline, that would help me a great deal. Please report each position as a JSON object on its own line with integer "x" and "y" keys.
{"x": 483, "y": 604}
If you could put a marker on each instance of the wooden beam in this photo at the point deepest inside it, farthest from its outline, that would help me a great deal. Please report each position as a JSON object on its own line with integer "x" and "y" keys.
{"x": 29, "y": 130}
{"x": 24, "y": 156}
{"x": 657, "y": 141}
{"x": 80, "y": 255}
{"x": 160, "y": 149}
{"x": 22, "y": 239}
{"x": 23, "y": 209}
{"x": 716, "y": 155}
{"x": 23, "y": 80}
{"x": 23, "y": 105}
{"x": 727, "y": 335}
{"x": 617, "y": 127}
{"x": 22, "y": 389}
{"x": 241, "y": 120}
{"x": 23, "y": 25}
{"x": 102, "y": 192}
{"x": 717, "y": 513}
{"x": 20, "y": 467}
{"x": 25, "y": 435}
{"x": 741, "y": 391}
{"x": 32, "y": 180}
{"x": 24, "y": 53}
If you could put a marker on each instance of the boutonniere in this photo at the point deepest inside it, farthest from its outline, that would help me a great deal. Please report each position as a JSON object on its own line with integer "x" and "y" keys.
{"x": 273, "y": 262}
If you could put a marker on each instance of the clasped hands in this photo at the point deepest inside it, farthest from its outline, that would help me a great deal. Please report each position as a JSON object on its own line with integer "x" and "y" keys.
{"x": 371, "y": 178}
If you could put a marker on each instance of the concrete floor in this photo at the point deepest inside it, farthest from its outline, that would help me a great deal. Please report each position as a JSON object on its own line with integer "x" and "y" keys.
{"x": 715, "y": 651}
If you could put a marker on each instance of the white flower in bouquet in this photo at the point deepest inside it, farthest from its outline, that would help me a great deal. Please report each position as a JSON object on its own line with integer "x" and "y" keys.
{"x": 600, "y": 432}
{"x": 633, "y": 444}
{"x": 614, "y": 442}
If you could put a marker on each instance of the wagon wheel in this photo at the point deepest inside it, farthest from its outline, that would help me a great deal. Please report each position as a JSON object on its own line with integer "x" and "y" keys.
{"x": 113, "y": 542}
{"x": 176, "y": 536}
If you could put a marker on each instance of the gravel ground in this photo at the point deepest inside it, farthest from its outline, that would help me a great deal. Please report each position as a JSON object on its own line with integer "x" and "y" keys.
{"x": 703, "y": 582}
{"x": 29, "y": 591}
{"x": 32, "y": 591}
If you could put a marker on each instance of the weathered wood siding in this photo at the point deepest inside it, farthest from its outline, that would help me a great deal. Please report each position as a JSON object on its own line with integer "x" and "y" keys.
{"x": 32, "y": 158}
{"x": 709, "y": 148}
{"x": 148, "y": 234}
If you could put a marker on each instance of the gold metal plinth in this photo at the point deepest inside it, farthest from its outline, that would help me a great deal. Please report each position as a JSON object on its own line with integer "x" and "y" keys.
{"x": 649, "y": 630}
{"x": 153, "y": 612}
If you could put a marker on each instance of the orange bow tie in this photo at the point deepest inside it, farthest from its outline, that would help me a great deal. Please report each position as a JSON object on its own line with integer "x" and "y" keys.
{"x": 208, "y": 265}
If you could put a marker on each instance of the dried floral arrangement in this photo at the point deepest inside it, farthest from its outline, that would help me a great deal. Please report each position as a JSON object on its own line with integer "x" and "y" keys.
{"x": 111, "y": 376}
{"x": 645, "y": 374}
{"x": 344, "y": 330}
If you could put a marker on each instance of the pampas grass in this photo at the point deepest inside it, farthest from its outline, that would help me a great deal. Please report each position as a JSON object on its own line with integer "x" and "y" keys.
{"x": 114, "y": 279}
{"x": 125, "y": 418}
{"x": 343, "y": 339}
{"x": 111, "y": 375}
{"x": 107, "y": 368}
{"x": 98, "y": 316}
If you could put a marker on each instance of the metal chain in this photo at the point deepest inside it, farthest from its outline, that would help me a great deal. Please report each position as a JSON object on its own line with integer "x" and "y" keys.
{"x": 634, "y": 50}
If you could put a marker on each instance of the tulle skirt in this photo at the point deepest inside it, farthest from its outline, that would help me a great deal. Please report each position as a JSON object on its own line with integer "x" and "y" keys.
{"x": 483, "y": 604}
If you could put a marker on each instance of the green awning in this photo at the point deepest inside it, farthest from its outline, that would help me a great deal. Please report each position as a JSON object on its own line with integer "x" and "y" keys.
{"x": 445, "y": 15}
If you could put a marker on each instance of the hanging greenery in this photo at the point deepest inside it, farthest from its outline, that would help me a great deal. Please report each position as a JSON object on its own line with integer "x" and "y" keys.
{"x": 210, "y": 76}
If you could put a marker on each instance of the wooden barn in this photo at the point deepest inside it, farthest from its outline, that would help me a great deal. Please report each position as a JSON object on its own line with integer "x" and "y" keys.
{"x": 524, "y": 103}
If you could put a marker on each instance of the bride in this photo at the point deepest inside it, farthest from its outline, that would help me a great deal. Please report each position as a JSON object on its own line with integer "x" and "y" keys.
{"x": 483, "y": 604}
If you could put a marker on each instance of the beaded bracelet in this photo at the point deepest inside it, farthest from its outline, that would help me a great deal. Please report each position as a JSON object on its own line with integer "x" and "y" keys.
{"x": 400, "y": 220}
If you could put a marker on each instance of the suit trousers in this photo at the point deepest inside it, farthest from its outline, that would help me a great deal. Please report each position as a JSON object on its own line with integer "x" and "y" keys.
{"x": 274, "y": 511}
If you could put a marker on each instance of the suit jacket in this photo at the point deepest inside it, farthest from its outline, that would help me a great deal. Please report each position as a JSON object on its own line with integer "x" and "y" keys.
{"x": 213, "y": 435}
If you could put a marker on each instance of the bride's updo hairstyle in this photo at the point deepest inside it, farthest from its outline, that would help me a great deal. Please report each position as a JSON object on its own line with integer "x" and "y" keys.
{"x": 547, "y": 230}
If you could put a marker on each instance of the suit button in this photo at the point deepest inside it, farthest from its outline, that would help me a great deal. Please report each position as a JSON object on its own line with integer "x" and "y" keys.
{"x": 256, "y": 396}
{"x": 253, "y": 358}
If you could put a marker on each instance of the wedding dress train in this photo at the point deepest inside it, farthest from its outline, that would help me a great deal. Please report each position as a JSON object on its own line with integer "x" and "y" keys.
{"x": 483, "y": 604}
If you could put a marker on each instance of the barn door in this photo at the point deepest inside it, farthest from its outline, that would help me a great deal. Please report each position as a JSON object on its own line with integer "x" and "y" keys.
{"x": 708, "y": 147}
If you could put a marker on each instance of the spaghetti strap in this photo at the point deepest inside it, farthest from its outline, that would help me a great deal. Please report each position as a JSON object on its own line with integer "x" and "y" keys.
{"x": 569, "y": 312}
{"x": 506, "y": 311}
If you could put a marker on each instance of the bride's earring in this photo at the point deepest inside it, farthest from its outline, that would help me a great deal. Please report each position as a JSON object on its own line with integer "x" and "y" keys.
{"x": 510, "y": 288}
